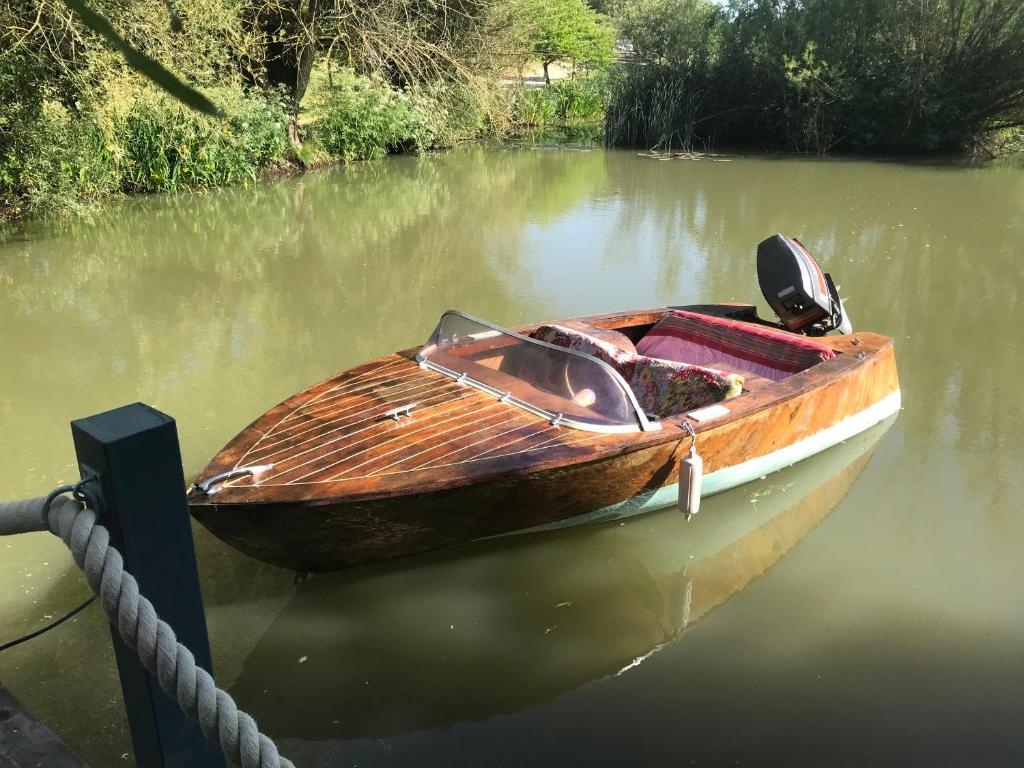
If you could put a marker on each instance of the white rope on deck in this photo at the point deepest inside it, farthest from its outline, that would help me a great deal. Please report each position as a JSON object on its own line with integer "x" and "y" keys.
{"x": 170, "y": 662}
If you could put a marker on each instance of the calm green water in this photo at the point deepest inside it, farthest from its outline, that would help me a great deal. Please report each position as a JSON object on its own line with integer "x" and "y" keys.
{"x": 863, "y": 608}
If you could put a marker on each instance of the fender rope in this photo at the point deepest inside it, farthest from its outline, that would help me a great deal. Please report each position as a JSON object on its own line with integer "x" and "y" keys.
{"x": 170, "y": 662}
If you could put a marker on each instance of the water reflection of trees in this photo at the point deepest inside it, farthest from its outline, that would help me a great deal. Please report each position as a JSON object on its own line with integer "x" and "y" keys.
{"x": 214, "y": 306}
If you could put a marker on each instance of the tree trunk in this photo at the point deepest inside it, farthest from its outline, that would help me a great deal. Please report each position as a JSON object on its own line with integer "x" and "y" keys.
{"x": 289, "y": 55}
{"x": 547, "y": 77}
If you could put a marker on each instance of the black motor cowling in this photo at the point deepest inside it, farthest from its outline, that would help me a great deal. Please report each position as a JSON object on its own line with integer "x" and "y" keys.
{"x": 804, "y": 297}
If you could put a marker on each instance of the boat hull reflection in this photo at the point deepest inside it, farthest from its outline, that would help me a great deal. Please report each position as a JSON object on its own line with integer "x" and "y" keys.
{"x": 400, "y": 647}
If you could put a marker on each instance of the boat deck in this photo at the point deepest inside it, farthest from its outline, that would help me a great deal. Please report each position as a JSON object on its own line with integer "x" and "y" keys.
{"x": 346, "y": 430}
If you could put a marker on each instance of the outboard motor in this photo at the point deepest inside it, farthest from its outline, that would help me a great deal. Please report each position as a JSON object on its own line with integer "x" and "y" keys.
{"x": 804, "y": 297}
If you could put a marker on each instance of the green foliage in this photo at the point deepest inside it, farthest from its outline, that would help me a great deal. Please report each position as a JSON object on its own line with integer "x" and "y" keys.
{"x": 81, "y": 117}
{"x": 360, "y": 118}
{"x": 87, "y": 95}
{"x": 536, "y": 108}
{"x": 816, "y": 75}
{"x": 816, "y": 91}
{"x": 54, "y": 159}
{"x": 655, "y": 107}
{"x": 569, "y": 102}
{"x": 581, "y": 99}
{"x": 51, "y": 161}
{"x": 140, "y": 62}
{"x": 678, "y": 33}
{"x": 568, "y": 30}
{"x": 50, "y": 158}
{"x": 456, "y": 111}
{"x": 165, "y": 146}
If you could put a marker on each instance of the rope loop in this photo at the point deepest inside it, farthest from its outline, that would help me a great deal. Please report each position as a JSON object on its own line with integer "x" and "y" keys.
{"x": 53, "y": 495}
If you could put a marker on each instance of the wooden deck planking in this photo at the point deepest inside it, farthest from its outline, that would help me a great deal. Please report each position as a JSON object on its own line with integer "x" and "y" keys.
{"x": 340, "y": 432}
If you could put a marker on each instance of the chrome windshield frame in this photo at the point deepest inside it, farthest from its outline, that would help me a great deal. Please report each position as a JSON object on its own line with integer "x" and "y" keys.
{"x": 644, "y": 424}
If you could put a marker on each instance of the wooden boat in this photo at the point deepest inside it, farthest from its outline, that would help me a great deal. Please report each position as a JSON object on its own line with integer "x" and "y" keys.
{"x": 486, "y": 431}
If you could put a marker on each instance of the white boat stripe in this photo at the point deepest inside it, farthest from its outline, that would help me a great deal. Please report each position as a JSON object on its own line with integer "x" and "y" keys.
{"x": 494, "y": 437}
{"x": 287, "y": 415}
{"x": 442, "y": 388}
{"x": 715, "y": 482}
{"x": 376, "y": 421}
{"x": 363, "y": 397}
{"x": 407, "y": 446}
{"x": 446, "y": 397}
{"x": 362, "y": 386}
{"x": 485, "y": 428}
{"x": 384, "y": 442}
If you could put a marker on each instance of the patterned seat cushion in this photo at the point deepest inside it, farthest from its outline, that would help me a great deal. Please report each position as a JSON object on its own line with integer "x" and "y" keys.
{"x": 700, "y": 340}
{"x": 662, "y": 387}
{"x": 610, "y": 346}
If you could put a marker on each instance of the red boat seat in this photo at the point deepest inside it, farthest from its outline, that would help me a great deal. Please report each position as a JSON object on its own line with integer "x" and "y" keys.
{"x": 699, "y": 340}
{"x": 662, "y": 387}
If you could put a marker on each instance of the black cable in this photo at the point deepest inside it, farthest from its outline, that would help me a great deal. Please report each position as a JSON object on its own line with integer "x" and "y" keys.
{"x": 48, "y": 627}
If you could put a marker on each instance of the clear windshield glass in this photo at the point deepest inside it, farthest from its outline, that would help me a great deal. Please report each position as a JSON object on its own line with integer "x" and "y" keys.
{"x": 547, "y": 377}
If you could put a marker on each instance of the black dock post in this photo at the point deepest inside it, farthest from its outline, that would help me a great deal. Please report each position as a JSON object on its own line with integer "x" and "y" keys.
{"x": 134, "y": 451}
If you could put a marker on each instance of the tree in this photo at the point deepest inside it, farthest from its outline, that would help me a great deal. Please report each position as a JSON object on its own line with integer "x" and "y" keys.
{"x": 568, "y": 30}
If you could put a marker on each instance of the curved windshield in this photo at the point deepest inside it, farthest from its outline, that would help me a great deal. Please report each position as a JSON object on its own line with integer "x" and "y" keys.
{"x": 560, "y": 384}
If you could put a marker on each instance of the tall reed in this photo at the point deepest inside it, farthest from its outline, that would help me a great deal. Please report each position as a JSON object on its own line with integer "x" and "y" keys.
{"x": 653, "y": 106}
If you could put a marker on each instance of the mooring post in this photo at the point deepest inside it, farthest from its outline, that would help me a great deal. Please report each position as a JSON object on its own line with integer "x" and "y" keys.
{"x": 134, "y": 452}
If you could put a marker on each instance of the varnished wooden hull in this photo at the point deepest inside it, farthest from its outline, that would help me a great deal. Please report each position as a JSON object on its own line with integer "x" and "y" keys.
{"x": 452, "y": 476}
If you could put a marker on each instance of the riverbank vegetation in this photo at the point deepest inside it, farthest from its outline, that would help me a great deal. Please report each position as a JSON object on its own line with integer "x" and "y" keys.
{"x": 296, "y": 82}
{"x": 571, "y": 102}
{"x": 907, "y": 76}
{"x": 301, "y": 83}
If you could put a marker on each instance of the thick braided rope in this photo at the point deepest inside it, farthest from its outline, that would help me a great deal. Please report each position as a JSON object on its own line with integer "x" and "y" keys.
{"x": 26, "y": 515}
{"x": 170, "y": 662}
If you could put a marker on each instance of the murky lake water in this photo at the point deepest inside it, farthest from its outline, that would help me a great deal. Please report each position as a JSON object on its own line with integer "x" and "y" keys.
{"x": 861, "y": 608}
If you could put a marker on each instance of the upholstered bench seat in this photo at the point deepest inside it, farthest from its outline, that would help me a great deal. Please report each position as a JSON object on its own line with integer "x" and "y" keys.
{"x": 662, "y": 387}
{"x": 703, "y": 340}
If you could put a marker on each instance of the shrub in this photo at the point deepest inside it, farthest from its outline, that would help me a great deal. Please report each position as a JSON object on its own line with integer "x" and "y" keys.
{"x": 567, "y": 102}
{"x": 53, "y": 159}
{"x": 166, "y": 147}
{"x": 879, "y": 75}
{"x": 468, "y": 108}
{"x": 581, "y": 99}
{"x": 536, "y": 107}
{"x": 49, "y": 158}
{"x": 359, "y": 118}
